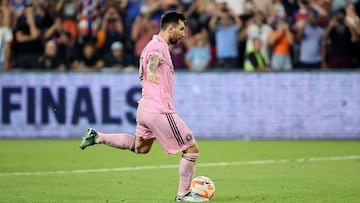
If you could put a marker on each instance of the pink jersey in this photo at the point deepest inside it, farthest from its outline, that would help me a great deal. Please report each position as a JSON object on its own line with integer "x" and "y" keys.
{"x": 157, "y": 98}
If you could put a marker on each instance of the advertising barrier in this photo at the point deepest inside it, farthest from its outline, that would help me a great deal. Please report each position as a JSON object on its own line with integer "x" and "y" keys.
{"x": 299, "y": 105}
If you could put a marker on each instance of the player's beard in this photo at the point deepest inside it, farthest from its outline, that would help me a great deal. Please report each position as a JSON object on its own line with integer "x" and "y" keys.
{"x": 174, "y": 40}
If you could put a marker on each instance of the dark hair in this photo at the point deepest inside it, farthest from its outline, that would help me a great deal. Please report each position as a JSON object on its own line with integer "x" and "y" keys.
{"x": 171, "y": 17}
{"x": 306, "y": 2}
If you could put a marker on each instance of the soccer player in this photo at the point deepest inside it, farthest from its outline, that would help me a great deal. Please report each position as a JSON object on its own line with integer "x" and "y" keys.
{"x": 156, "y": 114}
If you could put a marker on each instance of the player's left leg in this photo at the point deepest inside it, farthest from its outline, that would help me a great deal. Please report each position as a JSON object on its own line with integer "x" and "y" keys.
{"x": 143, "y": 146}
{"x": 120, "y": 141}
{"x": 141, "y": 143}
{"x": 138, "y": 145}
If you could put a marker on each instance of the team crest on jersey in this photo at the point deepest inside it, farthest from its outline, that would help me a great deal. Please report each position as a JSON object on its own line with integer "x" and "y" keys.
{"x": 188, "y": 137}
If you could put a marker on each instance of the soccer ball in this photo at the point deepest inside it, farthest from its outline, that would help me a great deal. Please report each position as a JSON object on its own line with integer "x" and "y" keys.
{"x": 203, "y": 187}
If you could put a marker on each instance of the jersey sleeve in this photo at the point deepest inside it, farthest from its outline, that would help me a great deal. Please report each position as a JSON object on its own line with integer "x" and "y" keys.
{"x": 156, "y": 51}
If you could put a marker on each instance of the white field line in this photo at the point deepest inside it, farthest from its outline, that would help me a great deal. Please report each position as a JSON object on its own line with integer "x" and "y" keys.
{"x": 215, "y": 164}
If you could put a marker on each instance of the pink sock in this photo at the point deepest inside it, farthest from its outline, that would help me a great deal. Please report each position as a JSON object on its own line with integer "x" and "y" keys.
{"x": 120, "y": 141}
{"x": 186, "y": 171}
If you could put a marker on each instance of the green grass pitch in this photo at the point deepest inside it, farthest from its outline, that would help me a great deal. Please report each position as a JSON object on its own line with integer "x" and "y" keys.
{"x": 243, "y": 171}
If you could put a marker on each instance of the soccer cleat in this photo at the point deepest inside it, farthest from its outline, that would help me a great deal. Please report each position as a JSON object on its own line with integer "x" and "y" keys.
{"x": 88, "y": 138}
{"x": 190, "y": 197}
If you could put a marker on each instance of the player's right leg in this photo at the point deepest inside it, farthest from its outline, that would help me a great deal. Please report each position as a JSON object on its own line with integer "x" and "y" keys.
{"x": 174, "y": 136}
{"x": 187, "y": 168}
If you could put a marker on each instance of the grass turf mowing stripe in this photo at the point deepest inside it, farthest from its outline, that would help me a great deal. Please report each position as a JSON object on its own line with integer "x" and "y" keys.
{"x": 255, "y": 162}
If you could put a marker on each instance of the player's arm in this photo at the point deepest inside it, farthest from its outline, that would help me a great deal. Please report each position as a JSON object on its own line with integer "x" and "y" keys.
{"x": 153, "y": 64}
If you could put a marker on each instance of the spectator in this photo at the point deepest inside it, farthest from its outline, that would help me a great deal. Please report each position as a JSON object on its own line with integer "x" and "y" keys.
{"x": 39, "y": 12}
{"x": 28, "y": 41}
{"x": 311, "y": 44}
{"x": 89, "y": 20}
{"x": 178, "y": 52}
{"x": 5, "y": 40}
{"x": 258, "y": 29}
{"x": 8, "y": 13}
{"x": 277, "y": 10}
{"x": 226, "y": 39}
{"x": 89, "y": 60}
{"x": 143, "y": 30}
{"x": 83, "y": 18}
{"x": 336, "y": 5}
{"x": 291, "y": 7}
{"x": 324, "y": 9}
{"x": 254, "y": 60}
{"x": 115, "y": 59}
{"x": 263, "y": 6}
{"x": 352, "y": 19}
{"x": 50, "y": 59}
{"x": 300, "y": 17}
{"x": 112, "y": 29}
{"x": 198, "y": 15}
{"x": 298, "y": 20}
{"x": 249, "y": 7}
{"x": 281, "y": 40}
{"x": 339, "y": 35}
{"x": 160, "y": 6}
{"x": 199, "y": 56}
{"x": 19, "y": 8}
{"x": 237, "y": 6}
{"x": 67, "y": 11}
{"x": 46, "y": 11}
{"x": 132, "y": 9}
{"x": 61, "y": 38}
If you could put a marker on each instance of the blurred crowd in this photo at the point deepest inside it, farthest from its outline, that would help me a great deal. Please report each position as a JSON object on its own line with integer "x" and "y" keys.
{"x": 250, "y": 35}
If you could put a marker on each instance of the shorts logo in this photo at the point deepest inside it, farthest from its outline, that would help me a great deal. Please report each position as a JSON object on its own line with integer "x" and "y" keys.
{"x": 188, "y": 137}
